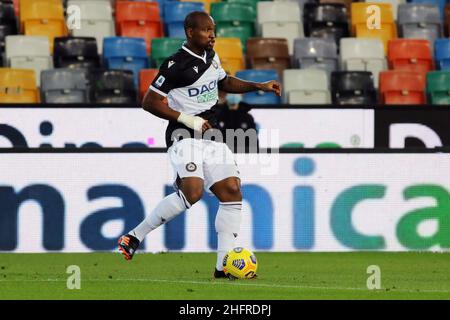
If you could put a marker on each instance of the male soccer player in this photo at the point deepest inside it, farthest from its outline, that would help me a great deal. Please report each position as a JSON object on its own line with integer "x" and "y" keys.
{"x": 190, "y": 80}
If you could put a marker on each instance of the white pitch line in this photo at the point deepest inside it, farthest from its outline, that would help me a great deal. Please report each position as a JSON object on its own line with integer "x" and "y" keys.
{"x": 232, "y": 283}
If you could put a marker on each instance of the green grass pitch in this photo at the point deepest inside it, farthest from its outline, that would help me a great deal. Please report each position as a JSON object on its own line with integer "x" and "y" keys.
{"x": 175, "y": 276}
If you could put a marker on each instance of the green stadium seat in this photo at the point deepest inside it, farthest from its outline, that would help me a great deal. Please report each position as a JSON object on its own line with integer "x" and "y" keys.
{"x": 438, "y": 87}
{"x": 162, "y": 48}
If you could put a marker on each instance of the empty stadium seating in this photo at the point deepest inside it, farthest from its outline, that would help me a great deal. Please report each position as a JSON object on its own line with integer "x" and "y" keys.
{"x": 410, "y": 55}
{"x": 259, "y": 97}
{"x": 393, "y": 3}
{"x": 43, "y": 18}
{"x": 8, "y": 23}
{"x": 442, "y": 53}
{"x": 280, "y": 19}
{"x": 112, "y": 86}
{"x": 364, "y": 26}
{"x": 316, "y": 53}
{"x": 438, "y": 87}
{"x": 174, "y": 14}
{"x": 402, "y": 87}
{"x": 162, "y": 48}
{"x": 139, "y": 20}
{"x": 146, "y": 77}
{"x": 353, "y": 88}
{"x": 29, "y": 52}
{"x": 125, "y": 54}
{"x": 18, "y": 86}
{"x": 268, "y": 53}
{"x": 76, "y": 52}
{"x": 326, "y": 20}
{"x": 206, "y": 3}
{"x": 307, "y": 86}
{"x": 64, "y": 86}
{"x": 419, "y": 21}
{"x": 96, "y": 20}
{"x": 231, "y": 54}
{"x": 359, "y": 54}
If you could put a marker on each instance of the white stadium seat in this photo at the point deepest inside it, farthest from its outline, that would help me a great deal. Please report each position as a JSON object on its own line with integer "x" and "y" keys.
{"x": 96, "y": 20}
{"x": 28, "y": 52}
{"x": 306, "y": 86}
{"x": 280, "y": 19}
{"x": 363, "y": 54}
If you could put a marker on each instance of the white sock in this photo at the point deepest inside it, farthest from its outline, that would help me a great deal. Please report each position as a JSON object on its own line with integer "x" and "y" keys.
{"x": 166, "y": 210}
{"x": 228, "y": 222}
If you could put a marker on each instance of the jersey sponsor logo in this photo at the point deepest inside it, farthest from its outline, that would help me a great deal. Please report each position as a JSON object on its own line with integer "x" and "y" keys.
{"x": 159, "y": 82}
{"x": 171, "y": 63}
{"x": 205, "y": 93}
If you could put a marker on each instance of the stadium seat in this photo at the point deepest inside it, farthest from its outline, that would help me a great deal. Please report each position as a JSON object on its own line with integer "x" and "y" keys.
{"x": 438, "y": 87}
{"x": 307, "y": 86}
{"x": 96, "y": 20}
{"x": 43, "y": 18}
{"x": 353, "y": 88}
{"x": 346, "y": 3}
{"x": 162, "y": 48}
{"x": 250, "y": 3}
{"x": 230, "y": 54}
{"x": 447, "y": 20}
{"x": 64, "y": 86}
{"x": 259, "y": 97}
{"x": 268, "y": 53}
{"x": 76, "y": 52}
{"x": 146, "y": 77}
{"x": 394, "y": 4}
{"x": 8, "y": 21}
{"x": 125, "y": 54}
{"x": 112, "y": 86}
{"x": 18, "y": 86}
{"x": 419, "y": 21}
{"x": 29, "y": 52}
{"x": 280, "y": 19}
{"x": 316, "y": 53}
{"x": 234, "y": 19}
{"x": 139, "y": 20}
{"x": 410, "y": 55}
{"x": 402, "y": 87}
{"x": 439, "y": 3}
{"x": 206, "y": 3}
{"x": 359, "y": 54}
{"x": 442, "y": 53}
{"x": 174, "y": 14}
{"x": 360, "y": 28}
{"x": 326, "y": 20}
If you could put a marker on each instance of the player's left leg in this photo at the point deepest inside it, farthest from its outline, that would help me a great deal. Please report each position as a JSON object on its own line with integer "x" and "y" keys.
{"x": 228, "y": 219}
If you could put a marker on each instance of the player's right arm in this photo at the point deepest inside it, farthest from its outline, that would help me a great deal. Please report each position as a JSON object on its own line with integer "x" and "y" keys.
{"x": 154, "y": 101}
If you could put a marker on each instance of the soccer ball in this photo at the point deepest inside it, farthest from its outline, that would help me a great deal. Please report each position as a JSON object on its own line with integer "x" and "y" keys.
{"x": 240, "y": 263}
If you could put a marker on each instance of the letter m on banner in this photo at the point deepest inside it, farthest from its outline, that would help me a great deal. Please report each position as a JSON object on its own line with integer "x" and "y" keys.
{"x": 374, "y": 17}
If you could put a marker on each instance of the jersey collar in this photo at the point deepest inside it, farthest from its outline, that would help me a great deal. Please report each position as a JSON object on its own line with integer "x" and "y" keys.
{"x": 194, "y": 54}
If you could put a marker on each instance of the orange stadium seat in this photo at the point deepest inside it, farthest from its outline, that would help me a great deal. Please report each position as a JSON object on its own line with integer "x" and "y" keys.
{"x": 230, "y": 54}
{"x": 402, "y": 87}
{"x": 139, "y": 20}
{"x": 43, "y": 18}
{"x": 18, "y": 86}
{"x": 146, "y": 77}
{"x": 360, "y": 24}
{"x": 268, "y": 53}
{"x": 410, "y": 55}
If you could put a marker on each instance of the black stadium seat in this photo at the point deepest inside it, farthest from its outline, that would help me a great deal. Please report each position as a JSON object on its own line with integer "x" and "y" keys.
{"x": 76, "y": 52}
{"x": 326, "y": 20}
{"x": 8, "y": 22}
{"x": 112, "y": 86}
{"x": 353, "y": 87}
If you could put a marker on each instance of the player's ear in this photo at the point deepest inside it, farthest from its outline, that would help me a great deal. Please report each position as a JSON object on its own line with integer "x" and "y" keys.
{"x": 189, "y": 33}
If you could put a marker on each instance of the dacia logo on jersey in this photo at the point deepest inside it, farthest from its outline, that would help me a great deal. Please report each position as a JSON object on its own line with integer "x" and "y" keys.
{"x": 205, "y": 93}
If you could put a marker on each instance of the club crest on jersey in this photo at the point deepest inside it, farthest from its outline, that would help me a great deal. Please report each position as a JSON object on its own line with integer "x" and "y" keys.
{"x": 214, "y": 63}
{"x": 191, "y": 167}
{"x": 159, "y": 82}
{"x": 195, "y": 69}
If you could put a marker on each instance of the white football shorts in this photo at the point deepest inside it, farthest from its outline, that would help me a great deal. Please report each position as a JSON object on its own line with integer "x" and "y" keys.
{"x": 209, "y": 160}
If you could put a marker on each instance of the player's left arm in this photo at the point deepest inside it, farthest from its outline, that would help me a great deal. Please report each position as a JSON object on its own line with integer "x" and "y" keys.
{"x": 235, "y": 85}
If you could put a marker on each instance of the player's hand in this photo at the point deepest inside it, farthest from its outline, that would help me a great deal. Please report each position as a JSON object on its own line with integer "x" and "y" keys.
{"x": 206, "y": 126}
{"x": 271, "y": 86}
{"x": 194, "y": 122}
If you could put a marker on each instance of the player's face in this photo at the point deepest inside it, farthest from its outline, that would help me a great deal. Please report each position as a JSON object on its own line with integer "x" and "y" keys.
{"x": 203, "y": 35}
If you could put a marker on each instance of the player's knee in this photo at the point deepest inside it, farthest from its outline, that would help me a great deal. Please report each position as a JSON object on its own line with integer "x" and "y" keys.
{"x": 193, "y": 194}
{"x": 233, "y": 190}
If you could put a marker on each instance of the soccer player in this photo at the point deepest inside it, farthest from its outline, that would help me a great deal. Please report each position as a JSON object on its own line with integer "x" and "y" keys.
{"x": 189, "y": 81}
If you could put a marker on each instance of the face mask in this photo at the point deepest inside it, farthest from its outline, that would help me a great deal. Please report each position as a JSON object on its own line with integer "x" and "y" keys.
{"x": 233, "y": 99}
